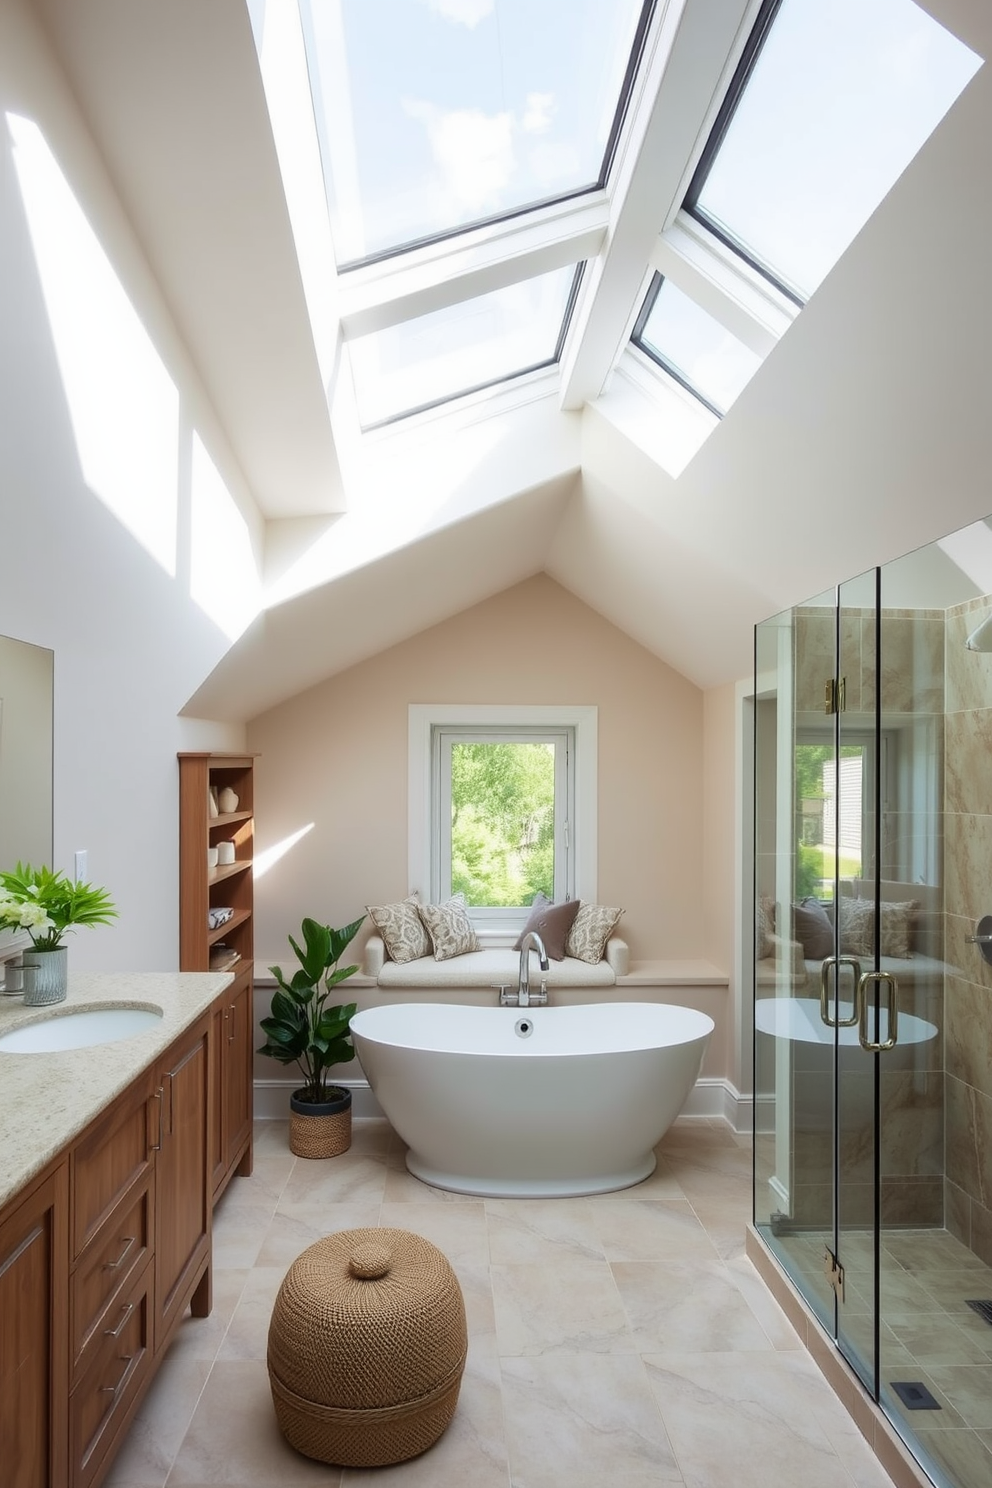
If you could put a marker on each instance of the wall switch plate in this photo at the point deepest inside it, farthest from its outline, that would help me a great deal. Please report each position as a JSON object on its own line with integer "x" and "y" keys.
{"x": 79, "y": 870}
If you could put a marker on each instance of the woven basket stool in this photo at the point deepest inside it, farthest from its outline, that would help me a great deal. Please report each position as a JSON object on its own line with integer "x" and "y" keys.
{"x": 367, "y": 1346}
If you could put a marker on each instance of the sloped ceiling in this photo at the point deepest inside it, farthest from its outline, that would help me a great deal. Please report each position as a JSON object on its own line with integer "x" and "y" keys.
{"x": 866, "y": 432}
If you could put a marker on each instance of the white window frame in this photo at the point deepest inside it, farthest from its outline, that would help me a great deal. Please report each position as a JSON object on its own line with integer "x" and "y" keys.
{"x": 501, "y": 926}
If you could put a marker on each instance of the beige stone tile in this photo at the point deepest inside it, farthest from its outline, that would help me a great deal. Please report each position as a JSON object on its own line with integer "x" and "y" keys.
{"x": 661, "y": 1184}
{"x": 234, "y": 1437}
{"x": 351, "y": 1178}
{"x": 477, "y": 1294}
{"x": 584, "y": 1420}
{"x": 157, "y": 1431}
{"x": 295, "y": 1227}
{"x": 696, "y": 1307}
{"x": 853, "y": 1451}
{"x": 248, "y": 1332}
{"x": 947, "y": 1418}
{"x": 937, "y": 1340}
{"x": 774, "y": 1323}
{"x": 745, "y": 1422}
{"x": 270, "y": 1174}
{"x": 646, "y": 1230}
{"x": 201, "y": 1338}
{"x": 270, "y": 1137}
{"x": 952, "y": 1289}
{"x": 458, "y": 1230}
{"x": 401, "y": 1187}
{"x": 238, "y": 1233}
{"x": 725, "y": 1224}
{"x": 540, "y": 1231}
{"x": 572, "y": 1307}
{"x": 472, "y": 1451}
{"x": 969, "y": 1386}
{"x": 961, "y": 1454}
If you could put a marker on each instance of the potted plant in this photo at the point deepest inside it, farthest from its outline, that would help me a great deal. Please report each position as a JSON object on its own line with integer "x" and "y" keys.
{"x": 303, "y": 1030}
{"x": 46, "y": 904}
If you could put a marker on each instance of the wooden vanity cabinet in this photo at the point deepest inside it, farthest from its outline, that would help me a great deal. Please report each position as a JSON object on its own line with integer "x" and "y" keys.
{"x": 183, "y": 1195}
{"x": 34, "y": 1365}
{"x": 231, "y": 1105}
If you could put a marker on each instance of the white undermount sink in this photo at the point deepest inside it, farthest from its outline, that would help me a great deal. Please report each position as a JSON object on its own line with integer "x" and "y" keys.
{"x": 64, "y": 1030}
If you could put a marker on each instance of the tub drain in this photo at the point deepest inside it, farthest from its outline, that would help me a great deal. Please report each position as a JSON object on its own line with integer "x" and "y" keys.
{"x": 523, "y": 1027}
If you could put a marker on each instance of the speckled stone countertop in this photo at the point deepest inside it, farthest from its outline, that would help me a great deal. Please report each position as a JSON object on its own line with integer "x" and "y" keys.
{"x": 47, "y": 1099}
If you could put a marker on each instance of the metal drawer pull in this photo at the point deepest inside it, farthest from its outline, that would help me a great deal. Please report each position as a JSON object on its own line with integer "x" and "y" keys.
{"x": 230, "y": 1036}
{"x": 128, "y": 1242}
{"x": 116, "y": 1332}
{"x": 127, "y": 1361}
{"x": 838, "y": 961}
{"x": 160, "y": 1097}
{"x": 875, "y": 1046}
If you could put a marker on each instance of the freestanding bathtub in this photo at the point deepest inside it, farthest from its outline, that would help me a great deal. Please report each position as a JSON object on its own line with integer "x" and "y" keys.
{"x": 531, "y": 1102}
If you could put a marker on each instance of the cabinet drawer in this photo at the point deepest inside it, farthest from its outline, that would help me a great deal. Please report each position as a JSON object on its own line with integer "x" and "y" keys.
{"x": 112, "y": 1156}
{"x": 104, "y": 1270}
{"x": 99, "y": 1405}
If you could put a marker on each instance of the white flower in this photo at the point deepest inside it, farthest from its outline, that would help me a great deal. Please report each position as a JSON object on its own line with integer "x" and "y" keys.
{"x": 33, "y": 917}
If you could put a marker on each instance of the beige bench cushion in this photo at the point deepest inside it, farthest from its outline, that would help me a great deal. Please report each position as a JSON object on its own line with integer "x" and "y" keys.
{"x": 493, "y": 967}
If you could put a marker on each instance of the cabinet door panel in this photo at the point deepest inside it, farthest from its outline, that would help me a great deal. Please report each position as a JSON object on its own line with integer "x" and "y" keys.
{"x": 33, "y": 1365}
{"x": 182, "y": 1192}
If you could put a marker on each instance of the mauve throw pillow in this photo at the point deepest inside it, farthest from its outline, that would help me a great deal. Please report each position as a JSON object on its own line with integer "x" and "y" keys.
{"x": 552, "y": 923}
{"x": 813, "y": 930}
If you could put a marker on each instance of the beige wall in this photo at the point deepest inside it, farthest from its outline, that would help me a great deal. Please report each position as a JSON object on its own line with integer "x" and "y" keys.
{"x": 334, "y": 760}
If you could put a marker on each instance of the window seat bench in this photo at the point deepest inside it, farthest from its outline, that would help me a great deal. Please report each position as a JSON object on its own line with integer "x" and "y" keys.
{"x": 492, "y": 967}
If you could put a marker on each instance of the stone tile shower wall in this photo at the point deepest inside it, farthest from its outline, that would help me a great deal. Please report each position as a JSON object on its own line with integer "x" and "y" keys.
{"x": 968, "y": 896}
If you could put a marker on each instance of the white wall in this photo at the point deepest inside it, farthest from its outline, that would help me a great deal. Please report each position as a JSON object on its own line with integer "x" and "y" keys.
{"x": 130, "y": 643}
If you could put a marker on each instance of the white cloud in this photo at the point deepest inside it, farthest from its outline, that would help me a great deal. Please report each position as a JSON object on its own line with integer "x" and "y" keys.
{"x": 463, "y": 12}
{"x": 538, "y": 113}
{"x": 473, "y": 151}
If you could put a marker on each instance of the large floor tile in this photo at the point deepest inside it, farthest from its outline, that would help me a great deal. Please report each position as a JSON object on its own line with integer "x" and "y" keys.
{"x": 526, "y": 1232}
{"x": 157, "y": 1431}
{"x": 295, "y": 1227}
{"x": 695, "y": 1307}
{"x": 234, "y": 1438}
{"x": 650, "y": 1230}
{"x": 584, "y": 1420}
{"x": 458, "y": 1230}
{"x": 570, "y": 1308}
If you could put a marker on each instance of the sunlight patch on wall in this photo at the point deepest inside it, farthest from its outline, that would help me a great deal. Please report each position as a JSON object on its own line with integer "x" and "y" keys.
{"x": 266, "y": 859}
{"x": 123, "y": 404}
{"x": 224, "y": 579}
{"x": 971, "y": 550}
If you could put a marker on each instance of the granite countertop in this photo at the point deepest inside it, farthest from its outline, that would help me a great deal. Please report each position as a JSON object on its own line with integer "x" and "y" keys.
{"x": 47, "y": 1099}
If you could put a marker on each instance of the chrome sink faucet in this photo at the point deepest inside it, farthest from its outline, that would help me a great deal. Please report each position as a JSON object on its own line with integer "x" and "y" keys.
{"x": 525, "y": 997}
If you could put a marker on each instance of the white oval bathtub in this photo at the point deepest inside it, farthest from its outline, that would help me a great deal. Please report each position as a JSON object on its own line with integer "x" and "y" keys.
{"x": 574, "y": 1106}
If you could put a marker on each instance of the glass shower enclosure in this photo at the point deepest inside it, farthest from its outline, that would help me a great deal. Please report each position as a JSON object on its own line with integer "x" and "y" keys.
{"x": 873, "y": 988}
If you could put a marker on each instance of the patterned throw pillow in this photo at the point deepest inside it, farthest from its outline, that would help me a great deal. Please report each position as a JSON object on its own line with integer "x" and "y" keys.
{"x": 591, "y": 929}
{"x": 764, "y": 926}
{"x": 857, "y": 926}
{"x": 449, "y": 927}
{"x": 552, "y": 923}
{"x": 401, "y": 928}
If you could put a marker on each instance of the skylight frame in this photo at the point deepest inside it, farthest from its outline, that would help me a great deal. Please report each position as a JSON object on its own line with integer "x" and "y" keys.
{"x": 757, "y": 37}
{"x": 658, "y": 357}
{"x": 642, "y": 32}
{"x": 505, "y": 379}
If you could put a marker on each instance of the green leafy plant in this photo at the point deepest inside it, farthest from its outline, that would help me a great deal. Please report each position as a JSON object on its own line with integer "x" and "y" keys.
{"x": 302, "y": 1029}
{"x": 46, "y": 904}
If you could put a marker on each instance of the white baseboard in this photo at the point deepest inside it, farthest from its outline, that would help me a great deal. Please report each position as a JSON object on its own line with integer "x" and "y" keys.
{"x": 709, "y": 1097}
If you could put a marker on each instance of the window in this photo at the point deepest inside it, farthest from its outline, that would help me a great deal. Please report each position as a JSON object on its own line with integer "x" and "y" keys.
{"x": 693, "y": 347}
{"x": 828, "y": 106}
{"x": 502, "y": 806}
{"x": 468, "y": 346}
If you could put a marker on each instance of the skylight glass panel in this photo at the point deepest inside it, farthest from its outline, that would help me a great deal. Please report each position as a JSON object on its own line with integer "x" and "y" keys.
{"x": 434, "y": 114}
{"x": 694, "y": 347}
{"x": 467, "y": 346}
{"x": 840, "y": 99}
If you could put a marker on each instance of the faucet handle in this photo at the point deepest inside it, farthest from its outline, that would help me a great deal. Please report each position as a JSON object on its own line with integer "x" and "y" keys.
{"x": 507, "y": 993}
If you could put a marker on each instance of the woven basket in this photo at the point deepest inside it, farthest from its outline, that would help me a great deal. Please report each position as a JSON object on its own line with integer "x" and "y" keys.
{"x": 320, "y": 1131}
{"x": 366, "y": 1348}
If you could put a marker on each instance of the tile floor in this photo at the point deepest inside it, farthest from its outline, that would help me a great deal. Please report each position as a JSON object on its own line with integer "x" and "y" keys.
{"x": 928, "y": 1334}
{"x": 621, "y": 1341}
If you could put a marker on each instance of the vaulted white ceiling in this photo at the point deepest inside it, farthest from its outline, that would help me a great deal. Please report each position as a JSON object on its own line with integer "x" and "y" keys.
{"x": 865, "y": 433}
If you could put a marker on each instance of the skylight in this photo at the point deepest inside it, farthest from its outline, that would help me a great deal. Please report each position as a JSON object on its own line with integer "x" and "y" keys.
{"x": 465, "y": 347}
{"x": 437, "y": 114}
{"x": 693, "y": 347}
{"x": 830, "y": 104}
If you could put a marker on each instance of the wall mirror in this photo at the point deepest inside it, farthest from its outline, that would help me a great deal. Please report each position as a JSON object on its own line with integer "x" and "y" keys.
{"x": 26, "y": 710}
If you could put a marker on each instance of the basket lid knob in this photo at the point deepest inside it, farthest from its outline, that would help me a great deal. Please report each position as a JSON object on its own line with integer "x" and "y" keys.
{"x": 369, "y": 1261}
